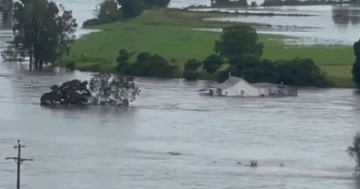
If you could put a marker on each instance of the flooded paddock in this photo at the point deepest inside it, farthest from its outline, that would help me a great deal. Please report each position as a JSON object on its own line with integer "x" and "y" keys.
{"x": 111, "y": 148}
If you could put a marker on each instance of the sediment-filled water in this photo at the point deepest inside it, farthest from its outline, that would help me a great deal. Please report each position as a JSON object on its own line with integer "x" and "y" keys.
{"x": 127, "y": 148}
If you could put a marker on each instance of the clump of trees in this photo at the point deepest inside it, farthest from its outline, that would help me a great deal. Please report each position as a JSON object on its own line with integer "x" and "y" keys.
{"x": 6, "y": 9}
{"x": 145, "y": 65}
{"x": 42, "y": 31}
{"x": 240, "y": 47}
{"x": 114, "y": 10}
{"x": 356, "y": 66}
{"x": 103, "y": 89}
{"x": 354, "y": 151}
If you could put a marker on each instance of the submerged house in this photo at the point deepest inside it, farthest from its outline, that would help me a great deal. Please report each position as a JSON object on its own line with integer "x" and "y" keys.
{"x": 238, "y": 87}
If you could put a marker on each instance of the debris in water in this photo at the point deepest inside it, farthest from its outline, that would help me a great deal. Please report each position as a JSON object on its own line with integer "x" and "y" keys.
{"x": 174, "y": 153}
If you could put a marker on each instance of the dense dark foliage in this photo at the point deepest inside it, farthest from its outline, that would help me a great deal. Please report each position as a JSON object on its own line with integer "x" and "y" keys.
{"x": 238, "y": 40}
{"x": 152, "y": 65}
{"x": 212, "y": 63}
{"x": 356, "y": 65}
{"x": 145, "y": 65}
{"x": 113, "y": 10}
{"x": 104, "y": 89}
{"x": 107, "y": 12}
{"x": 72, "y": 92}
{"x": 191, "y": 69}
{"x": 296, "y": 72}
{"x": 123, "y": 61}
{"x": 132, "y": 8}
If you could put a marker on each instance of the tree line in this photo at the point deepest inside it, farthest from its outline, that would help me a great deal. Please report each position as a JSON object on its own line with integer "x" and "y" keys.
{"x": 115, "y": 10}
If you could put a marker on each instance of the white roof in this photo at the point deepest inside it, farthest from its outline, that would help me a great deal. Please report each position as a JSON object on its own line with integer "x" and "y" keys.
{"x": 228, "y": 83}
{"x": 234, "y": 80}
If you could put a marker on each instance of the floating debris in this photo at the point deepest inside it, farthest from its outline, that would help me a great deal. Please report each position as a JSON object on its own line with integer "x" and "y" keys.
{"x": 174, "y": 153}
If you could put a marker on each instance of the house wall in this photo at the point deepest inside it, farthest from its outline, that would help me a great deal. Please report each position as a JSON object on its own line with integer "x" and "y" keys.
{"x": 265, "y": 91}
{"x": 249, "y": 90}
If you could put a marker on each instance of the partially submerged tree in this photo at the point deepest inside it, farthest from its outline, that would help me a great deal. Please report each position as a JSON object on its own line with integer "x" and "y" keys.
{"x": 6, "y": 9}
{"x": 104, "y": 89}
{"x": 354, "y": 151}
{"x": 73, "y": 92}
{"x": 42, "y": 29}
{"x": 117, "y": 90}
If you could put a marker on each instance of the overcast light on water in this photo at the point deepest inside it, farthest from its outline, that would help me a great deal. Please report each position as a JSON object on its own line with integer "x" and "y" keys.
{"x": 112, "y": 148}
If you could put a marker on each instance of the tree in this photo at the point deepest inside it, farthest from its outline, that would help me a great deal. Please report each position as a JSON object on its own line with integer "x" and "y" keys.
{"x": 108, "y": 12}
{"x": 354, "y": 151}
{"x": 131, "y": 8}
{"x": 301, "y": 72}
{"x": 212, "y": 63}
{"x": 6, "y": 9}
{"x": 117, "y": 90}
{"x": 238, "y": 40}
{"x": 164, "y": 3}
{"x": 123, "y": 61}
{"x": 356, "y": 66}
{"x": 73, "y": 92}
{"x": 190, "y": 69}
{"x": 152, "y": 65}
{"x": 42, "y": 29}
{"x": 192, "y": 65}
{"x": 103, "y": 90}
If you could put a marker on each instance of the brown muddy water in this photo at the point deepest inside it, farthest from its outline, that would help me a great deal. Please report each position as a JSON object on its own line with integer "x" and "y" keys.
{"x": 112, "y": 148}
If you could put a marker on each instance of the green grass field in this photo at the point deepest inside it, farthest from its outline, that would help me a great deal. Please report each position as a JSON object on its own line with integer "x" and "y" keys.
{"x": 172, "y": 35}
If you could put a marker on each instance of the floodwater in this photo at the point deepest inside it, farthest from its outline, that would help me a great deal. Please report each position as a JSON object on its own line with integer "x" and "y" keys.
{"x": 332, "y": 24}
{"x": 112, "y": 148}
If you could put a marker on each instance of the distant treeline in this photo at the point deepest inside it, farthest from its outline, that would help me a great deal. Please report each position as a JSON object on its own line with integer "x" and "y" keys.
{"x": 306, "y": 2}
{"x": 244, "y": 3}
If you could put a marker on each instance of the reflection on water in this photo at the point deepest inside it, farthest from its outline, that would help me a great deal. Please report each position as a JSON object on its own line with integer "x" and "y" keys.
{"x": 345, "y": 16}
{"x": 108, "y": 147}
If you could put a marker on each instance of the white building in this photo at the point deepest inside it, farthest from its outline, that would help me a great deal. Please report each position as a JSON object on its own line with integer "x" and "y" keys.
{"x": 238, "y": 87}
